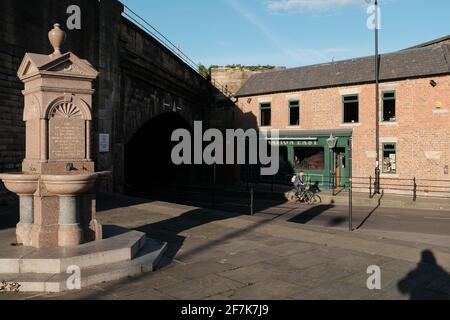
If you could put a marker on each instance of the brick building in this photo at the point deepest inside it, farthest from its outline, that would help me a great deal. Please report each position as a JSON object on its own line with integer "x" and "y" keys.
{"x": 309, "y": 104}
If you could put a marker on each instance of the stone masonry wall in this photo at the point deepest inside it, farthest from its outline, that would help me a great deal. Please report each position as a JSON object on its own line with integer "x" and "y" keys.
{"x": 234, "y": 78}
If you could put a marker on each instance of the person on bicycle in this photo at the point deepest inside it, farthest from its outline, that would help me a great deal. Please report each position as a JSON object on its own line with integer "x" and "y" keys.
{"x": 300, "y": 182}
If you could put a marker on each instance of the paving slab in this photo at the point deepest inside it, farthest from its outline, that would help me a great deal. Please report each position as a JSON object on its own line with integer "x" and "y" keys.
{"x": 271, "y": 289}
{"x": 199, "y": 269}
{"x": 247, "y": 258}
{"x": 201, "y": 288}
{"x": 299, "y": 261}
{"x": 313, "y": 276}
{"x": 250, "y": 274}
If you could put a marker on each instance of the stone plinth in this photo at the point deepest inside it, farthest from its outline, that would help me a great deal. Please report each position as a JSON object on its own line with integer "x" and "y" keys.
{"x": 122, "y": 254}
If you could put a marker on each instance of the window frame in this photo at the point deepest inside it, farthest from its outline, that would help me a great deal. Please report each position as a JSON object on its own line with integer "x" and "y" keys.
{"x": 388, "y": 99}
{"x": 384, "y": 149}
{"x": 290, "y": 106}
{"x": 261, "y": 108}
{"x": 351, "y": 101}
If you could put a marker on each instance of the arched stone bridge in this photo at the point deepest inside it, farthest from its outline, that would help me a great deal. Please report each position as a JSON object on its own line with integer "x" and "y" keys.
{"x": 140, "y": 81}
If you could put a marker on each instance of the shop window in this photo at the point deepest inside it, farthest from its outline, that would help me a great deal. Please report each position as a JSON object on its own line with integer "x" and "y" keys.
{"x": 351, "y": 109}
{"x": 389, "y": 105}
{"x": 294, "y": 113}
{"x": 266, "y": 115}
{"x": 389, "y": 158}
{"x": 309, "y": 158}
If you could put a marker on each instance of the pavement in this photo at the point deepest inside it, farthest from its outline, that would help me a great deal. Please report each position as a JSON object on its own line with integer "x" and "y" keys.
{"x": 422, "y": 224}
{"x": 223, "y": 255}
{"x": 338, "y": 197}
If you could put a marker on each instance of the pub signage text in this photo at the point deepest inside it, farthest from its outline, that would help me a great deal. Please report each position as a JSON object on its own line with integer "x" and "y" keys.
{"x": 293, "y": 143}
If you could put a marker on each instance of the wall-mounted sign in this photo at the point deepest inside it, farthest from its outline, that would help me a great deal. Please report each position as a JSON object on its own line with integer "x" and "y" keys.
{"x": 292, "y": 143}
{"x": 103, "y": 143}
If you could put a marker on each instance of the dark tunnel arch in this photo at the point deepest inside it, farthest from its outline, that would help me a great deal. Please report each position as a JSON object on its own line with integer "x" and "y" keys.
{"x": 148, "y": 163}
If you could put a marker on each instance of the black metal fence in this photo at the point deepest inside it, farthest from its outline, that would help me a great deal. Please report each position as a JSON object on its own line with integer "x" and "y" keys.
{"x": 412, "y": 187}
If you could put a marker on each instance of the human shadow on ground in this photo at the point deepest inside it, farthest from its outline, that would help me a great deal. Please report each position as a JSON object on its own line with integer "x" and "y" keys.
{"x": 428, "y": 281}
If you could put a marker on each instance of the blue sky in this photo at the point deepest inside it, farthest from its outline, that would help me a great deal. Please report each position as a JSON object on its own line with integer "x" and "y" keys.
{"x": 290, "y": 32}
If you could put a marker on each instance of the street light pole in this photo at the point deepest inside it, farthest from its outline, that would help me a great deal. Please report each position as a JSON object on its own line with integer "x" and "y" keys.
{"x": 377, "y": 97}
{"x": 350, "y": 184}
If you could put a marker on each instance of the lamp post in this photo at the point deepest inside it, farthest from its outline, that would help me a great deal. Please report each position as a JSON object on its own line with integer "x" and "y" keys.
{"x": 350, "y": 184}
{"x": 377, "y": 97}
{"x": 332, "y": 142}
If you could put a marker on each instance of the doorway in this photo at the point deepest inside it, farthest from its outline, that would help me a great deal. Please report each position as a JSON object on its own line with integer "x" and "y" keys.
{"x": 339, "y": 167}
{"x": 148, "y": 164}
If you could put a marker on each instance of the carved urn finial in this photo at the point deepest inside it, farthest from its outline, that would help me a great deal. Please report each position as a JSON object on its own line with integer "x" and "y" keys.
{"x": 57, "y": 38}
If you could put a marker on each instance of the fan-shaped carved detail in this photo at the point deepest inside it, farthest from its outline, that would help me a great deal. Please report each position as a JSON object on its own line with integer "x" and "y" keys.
{"x": 66, "y": 110}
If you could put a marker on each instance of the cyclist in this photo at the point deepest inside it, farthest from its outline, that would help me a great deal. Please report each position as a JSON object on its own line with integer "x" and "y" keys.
{"x": 300, "y": 183}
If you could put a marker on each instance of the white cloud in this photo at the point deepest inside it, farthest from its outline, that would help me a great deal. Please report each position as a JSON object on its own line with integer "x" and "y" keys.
{"x": 292, "y": 55}
{"x": 260, "y": 25}
{"x": 309, "y": 5}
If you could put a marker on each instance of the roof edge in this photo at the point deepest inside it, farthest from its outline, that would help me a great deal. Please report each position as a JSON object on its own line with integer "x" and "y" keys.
{"x": 237, "y": 95}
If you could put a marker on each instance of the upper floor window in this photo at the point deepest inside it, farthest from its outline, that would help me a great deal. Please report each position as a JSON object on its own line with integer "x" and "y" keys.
{"x": 294, "y": 113}
{"x": 266, "y": 115}
{"x": 351, "y": 109}
{"x": 389, "y": 104}
{"x": 389, "y": 158}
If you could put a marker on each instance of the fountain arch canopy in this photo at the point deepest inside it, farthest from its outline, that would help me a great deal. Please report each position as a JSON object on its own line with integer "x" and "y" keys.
{"x": 58, "y": 111}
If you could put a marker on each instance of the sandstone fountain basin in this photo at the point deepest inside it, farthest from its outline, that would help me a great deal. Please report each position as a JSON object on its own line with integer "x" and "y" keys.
{"x": 57, "y": 184}
{"x": 70, "y": 190}
{"x": 70, "y": 184}
{"x": 25, "y": 186}
{"x": 20, "y": 183}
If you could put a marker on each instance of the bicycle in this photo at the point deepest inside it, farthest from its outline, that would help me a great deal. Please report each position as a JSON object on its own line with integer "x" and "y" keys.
{"x": 308, "y": 196}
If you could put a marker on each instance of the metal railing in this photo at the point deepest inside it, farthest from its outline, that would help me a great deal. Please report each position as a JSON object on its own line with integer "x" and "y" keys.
{"x": 410, "y": 187}
{"x": 168, "y": 44}
{"x": 416, "y": 188}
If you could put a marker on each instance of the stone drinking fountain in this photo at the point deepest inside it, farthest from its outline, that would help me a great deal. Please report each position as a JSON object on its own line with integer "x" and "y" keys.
{"x": 57, "y": 185}
{"x": 58, "y": 182}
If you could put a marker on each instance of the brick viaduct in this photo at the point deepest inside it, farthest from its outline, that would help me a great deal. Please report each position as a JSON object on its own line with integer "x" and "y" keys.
{"x": 139, "y": 78}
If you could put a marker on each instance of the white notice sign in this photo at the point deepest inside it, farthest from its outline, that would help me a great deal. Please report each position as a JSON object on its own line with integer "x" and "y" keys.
{"x": 103, "y": 142}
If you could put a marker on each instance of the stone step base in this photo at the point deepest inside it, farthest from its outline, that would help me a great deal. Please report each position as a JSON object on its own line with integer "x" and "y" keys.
{"x": 121, "y": 245}
{"x": 146, "y": 260}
